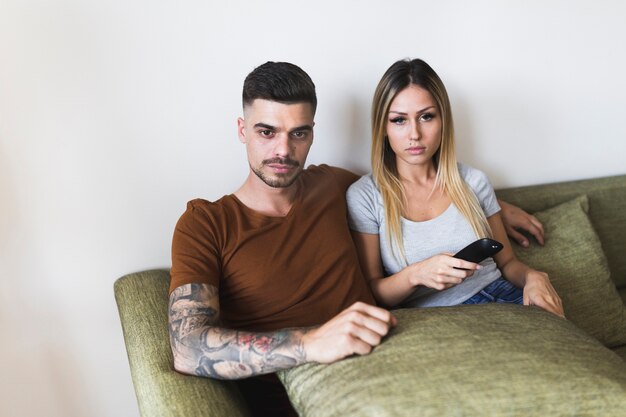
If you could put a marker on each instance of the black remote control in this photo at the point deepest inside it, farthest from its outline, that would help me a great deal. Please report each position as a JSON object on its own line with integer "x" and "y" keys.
{"x": 479, "y": 250}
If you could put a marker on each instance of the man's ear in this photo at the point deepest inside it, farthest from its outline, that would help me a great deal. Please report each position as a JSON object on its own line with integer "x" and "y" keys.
{"x": 241, "y": 129}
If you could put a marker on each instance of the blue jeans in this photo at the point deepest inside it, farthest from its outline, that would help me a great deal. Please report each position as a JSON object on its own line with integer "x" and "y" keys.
{"x": 499, "y": 291}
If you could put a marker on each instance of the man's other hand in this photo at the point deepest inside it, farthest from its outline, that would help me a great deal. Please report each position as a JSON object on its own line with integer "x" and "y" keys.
{"x": 515, "y": 218}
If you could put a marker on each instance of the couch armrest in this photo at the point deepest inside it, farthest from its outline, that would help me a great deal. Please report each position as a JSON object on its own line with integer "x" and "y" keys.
{"x": 161, "y": 391}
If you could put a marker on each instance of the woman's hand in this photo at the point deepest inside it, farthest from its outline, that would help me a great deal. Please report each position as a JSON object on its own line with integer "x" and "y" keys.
{"x": 539, "y": 291}
{"x": 440, "y": 272}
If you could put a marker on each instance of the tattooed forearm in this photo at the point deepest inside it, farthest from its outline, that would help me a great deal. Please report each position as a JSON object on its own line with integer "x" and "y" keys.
{"x": 202, "y": 348}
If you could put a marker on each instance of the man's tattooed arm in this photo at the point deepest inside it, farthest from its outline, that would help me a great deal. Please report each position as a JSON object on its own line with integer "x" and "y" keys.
{"x": 202, "y": 348}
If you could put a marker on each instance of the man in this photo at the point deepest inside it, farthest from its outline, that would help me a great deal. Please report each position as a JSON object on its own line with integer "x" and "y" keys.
{"x": 256, "y": 273}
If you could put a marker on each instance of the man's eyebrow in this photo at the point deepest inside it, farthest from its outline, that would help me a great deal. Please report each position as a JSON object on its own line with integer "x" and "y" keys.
{"x": 404, "y": 114}
{"x": 265, "y": 126}
{"x": 302, "y": 128}
{"x": 295, "y": 129}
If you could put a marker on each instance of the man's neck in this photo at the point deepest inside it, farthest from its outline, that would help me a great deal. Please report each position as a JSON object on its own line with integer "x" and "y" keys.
{"x": 269, "y": 201}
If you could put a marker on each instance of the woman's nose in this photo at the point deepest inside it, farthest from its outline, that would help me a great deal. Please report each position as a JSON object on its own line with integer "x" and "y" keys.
{"x": 415, "y": 131}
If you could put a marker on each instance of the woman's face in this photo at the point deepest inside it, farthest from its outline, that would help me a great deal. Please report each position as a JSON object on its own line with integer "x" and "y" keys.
{"x": 414, "y": 127}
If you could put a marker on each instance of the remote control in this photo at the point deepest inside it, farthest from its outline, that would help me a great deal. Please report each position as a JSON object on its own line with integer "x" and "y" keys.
{"x": 479, "y": 250}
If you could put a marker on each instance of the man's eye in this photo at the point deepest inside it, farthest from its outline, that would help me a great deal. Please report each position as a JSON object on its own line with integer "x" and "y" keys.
{"x": 299, "y": 135}
{"x": 266, "y": 133}
{"x": 398, "y": 120}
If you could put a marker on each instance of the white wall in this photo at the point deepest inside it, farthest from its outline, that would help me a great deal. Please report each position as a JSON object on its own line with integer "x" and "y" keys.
{"x": 114, "y": 113}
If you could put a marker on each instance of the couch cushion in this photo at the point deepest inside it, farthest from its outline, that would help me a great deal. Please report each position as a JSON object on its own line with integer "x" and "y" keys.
{"x": 578, "y": 269}
{"x": 620, "y": 351}
{"x": 607, "y": 211}
{"x": 469, "y": 360}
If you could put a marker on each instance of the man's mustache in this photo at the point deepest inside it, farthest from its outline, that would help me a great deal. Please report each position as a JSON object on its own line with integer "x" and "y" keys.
{"x": 282, "y": 161}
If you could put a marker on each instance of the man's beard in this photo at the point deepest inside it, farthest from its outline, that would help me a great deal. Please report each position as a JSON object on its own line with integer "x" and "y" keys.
{"x": 281, "y": 180}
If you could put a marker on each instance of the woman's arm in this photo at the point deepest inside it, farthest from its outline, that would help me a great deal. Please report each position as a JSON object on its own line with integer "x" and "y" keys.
{"x": 438, "y": 272}
{"x": 536, "y": 284}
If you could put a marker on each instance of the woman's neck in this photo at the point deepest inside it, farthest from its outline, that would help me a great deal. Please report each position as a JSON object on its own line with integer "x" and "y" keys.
{"x": 421, "y": 175}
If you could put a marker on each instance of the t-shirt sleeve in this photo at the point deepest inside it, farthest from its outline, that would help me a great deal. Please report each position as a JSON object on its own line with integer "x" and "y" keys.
{"x": 479, "y": 183}
{"x": 362, "y": 200}
{"x": 195, "y": 254}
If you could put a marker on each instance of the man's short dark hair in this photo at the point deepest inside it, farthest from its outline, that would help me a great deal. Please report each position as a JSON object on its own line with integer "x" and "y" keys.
{"x": 279, "y": 81}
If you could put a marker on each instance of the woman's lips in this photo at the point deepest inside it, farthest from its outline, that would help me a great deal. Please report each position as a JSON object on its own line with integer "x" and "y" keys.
{"x": 416, "y": 150}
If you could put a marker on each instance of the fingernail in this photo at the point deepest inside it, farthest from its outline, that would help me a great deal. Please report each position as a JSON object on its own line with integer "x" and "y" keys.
{"x": 525, "y": 243}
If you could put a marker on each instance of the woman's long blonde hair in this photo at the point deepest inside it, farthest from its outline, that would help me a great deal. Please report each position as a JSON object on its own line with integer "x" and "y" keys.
{"x": 398, "y": 77}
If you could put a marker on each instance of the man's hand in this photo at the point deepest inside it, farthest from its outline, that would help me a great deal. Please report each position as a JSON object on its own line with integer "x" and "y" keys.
{"x": 356, "y": 330}
{"x": 539, "y": 291}
{"x": 515, "y": 218}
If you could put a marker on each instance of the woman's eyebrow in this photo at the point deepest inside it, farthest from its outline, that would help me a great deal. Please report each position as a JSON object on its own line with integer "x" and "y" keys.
{"x": 404, "y": 114}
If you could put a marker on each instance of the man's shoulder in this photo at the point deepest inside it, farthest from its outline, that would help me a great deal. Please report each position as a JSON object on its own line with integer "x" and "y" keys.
{"x": 200, "y": 211}
{"x": 329, "y": 169}
{"x": 200, "y": 205}
{"x": 324, "y": 172}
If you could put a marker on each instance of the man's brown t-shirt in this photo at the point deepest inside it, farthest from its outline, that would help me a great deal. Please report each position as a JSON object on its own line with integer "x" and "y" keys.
{"x": 274, "y": 272}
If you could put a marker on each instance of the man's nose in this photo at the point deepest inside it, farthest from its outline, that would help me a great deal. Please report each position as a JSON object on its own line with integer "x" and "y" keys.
{"x": 282, "y": 145}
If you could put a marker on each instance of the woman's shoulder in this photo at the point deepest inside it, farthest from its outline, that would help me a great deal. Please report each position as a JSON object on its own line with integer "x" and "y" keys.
{"x": 472, "y": 176}
{"x": 365, "y": 183}
{"x": 363, "y": 188}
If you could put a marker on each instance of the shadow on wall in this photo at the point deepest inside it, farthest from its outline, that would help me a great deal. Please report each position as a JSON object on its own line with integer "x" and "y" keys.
{"x": 38, "y": 368}
{"x": 357, "y": 138}
{"x": 38, "y": 377}
{"x": 8, "y": 213}
{"x": 465, "y": 135}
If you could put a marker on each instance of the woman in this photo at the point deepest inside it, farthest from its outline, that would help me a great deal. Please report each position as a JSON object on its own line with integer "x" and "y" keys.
{"x": 419, "y": 206}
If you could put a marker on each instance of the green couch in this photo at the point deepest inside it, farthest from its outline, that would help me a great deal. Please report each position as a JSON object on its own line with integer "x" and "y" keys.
{"x": 468, "y": 360}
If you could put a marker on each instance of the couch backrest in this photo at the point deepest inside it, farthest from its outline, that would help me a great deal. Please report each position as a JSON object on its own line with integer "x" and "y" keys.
{"x": 161, "y": 391}
{"x": 607, "y": 211}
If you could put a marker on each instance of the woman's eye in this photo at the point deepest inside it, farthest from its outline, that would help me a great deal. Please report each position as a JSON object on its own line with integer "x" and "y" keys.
{"x": 427, "y": 117}
{"x": 398, "y": 120}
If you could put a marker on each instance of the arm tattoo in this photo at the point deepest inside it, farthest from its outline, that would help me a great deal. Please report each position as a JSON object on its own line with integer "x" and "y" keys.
{"x": 202, "y": 348}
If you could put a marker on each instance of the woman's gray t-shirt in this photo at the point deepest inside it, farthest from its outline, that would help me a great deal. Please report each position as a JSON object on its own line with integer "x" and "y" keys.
{"x": 447, "y": 233}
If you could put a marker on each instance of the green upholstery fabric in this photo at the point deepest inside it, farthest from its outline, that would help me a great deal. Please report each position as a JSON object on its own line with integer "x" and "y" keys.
{"x": 620, "y": 351}
{"x": 161, "y": 391}
{"x": 607, "y": 211}
{"x": 578, "y": 269}
{"x": 493, "y": 359}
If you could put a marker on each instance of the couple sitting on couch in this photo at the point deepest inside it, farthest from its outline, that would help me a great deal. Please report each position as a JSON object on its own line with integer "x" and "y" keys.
{"x": 268, "y": 278}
